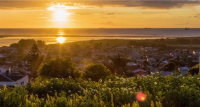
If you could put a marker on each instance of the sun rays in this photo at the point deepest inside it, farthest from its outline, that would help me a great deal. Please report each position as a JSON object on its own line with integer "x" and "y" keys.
{"x": 60, "y": 13}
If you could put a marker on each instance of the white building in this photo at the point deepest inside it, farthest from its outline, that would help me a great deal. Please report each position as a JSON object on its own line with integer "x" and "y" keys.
{"x": 12, "y": 80}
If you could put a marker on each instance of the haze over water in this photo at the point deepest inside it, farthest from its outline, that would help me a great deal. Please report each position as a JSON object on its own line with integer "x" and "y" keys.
{"x": 49, "y": 35}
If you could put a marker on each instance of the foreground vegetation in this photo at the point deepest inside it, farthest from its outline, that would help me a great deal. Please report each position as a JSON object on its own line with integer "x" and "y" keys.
{"x": 59, "y": 83}
{"x": 170, "y": 91}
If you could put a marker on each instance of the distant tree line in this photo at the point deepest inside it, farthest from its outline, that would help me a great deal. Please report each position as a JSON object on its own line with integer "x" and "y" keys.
{"x": 28, "y": 43}
{"x": 162, "y": 43}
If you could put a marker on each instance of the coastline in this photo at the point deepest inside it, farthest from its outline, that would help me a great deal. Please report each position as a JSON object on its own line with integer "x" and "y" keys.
{"x": 6, "y": 40}
{"x": 96, "y": 36}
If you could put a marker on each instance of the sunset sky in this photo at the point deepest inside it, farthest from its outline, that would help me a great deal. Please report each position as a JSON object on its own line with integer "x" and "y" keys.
{"x": 99, "y": 13}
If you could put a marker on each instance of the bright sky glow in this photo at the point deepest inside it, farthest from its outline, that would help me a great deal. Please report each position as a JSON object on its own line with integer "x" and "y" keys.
{"x": 60, "y": 12}
{"x": 61, "y": 39}
{"x": 85, "y": 14}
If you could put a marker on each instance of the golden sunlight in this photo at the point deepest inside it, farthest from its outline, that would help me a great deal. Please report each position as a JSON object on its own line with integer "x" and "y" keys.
{"x": 61, "y": 39}
{"x": 60, "y": 14}
{"x": 61, "y": 33}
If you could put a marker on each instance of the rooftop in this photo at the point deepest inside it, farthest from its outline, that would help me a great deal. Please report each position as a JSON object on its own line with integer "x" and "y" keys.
{"x": 138, "y": 70}
{"x": 3, "y": 78}
{"x": 6, "y": 78}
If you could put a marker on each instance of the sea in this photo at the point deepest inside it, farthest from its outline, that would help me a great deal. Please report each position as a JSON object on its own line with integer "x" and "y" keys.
{"x": 49, "y": 35}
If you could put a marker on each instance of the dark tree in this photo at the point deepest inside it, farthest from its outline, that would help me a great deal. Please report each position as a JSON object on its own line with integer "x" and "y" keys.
{"x": 60, "y": 68}
{"x": 119, "y": 64}
{"x": 145, "y": 64}
{"x": 169, "y": 67}
{"x": 34, "y": 59}
{"x": 40, "y": 43}
{"x": 109, "y": 66}
{"x": 96, "y": 72}
{"x": 177, "y": 62}
{"x": 26, "y": 42}
{"x": 20, "y": 52}
{"x": 2, "y": 61}
{"x": 33, "y": 54}
{"x": 194, "y": 70}
{"x": 14, "y": 45}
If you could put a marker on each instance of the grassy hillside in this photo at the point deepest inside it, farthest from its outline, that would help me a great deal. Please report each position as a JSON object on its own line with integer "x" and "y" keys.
{"x": 169, "y": 91}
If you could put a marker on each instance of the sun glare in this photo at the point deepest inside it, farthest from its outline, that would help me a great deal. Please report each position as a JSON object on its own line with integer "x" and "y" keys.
{"x": 60, "y": 15}
{"x": 60, "y": 12}
{"x": 61, "y": 39}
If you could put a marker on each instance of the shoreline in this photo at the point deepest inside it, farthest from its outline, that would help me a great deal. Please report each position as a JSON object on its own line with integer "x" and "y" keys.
{"x": 136, "y": 36}
{"x": 6, "y": 40}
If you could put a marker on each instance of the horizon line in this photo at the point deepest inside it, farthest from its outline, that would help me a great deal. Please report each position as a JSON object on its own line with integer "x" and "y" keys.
{"x": 110, "y": 28}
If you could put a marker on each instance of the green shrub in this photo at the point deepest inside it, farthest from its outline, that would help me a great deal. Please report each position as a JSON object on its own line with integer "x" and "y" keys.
{"x": 60, "y": 68}
{"x": 169, "y": 91}
{"x": 96, "y": 72}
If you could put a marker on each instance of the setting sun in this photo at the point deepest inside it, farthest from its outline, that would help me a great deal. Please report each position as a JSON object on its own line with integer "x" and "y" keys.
{"x": 61, "y": 39}
{"x": 60, "y": 15}
{"x": 60, "y": 12}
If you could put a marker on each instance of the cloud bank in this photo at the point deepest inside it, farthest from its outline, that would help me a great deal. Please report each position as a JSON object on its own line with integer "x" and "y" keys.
{"x": 156, "y": 4}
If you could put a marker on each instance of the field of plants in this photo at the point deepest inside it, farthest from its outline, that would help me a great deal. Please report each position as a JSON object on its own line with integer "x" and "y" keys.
{"x": 169, "y": 91}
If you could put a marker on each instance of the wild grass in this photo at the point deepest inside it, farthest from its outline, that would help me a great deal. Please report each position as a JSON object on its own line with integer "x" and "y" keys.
{"x": 169, "y": 91}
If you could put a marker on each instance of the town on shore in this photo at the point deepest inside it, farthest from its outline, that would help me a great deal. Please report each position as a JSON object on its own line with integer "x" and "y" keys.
{"x": 123, "y": 57}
